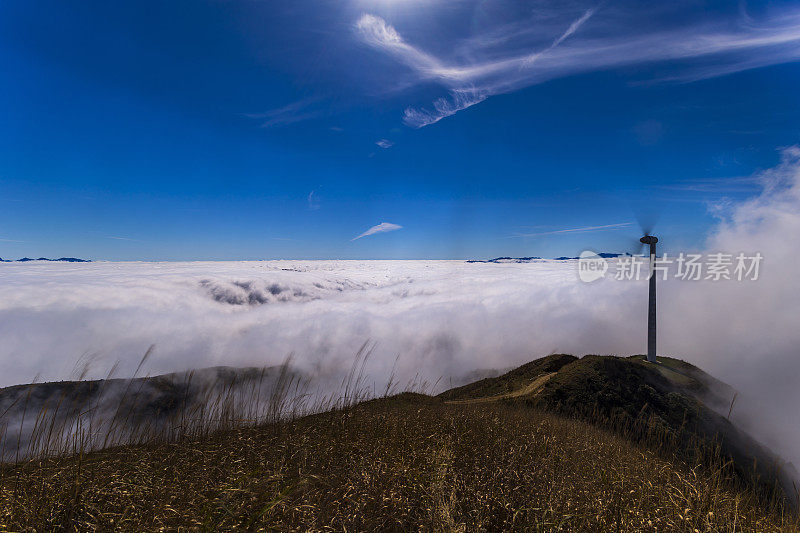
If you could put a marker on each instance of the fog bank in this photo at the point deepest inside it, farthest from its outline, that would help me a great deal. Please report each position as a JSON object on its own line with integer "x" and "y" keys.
{"x": 430, "y": 319}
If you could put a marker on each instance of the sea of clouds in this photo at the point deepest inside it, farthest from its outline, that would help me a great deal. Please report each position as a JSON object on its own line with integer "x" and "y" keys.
{"x": 430, "y": 320}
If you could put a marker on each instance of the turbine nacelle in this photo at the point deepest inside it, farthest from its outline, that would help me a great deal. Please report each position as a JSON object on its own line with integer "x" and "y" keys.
{"x": 648, "y": 239}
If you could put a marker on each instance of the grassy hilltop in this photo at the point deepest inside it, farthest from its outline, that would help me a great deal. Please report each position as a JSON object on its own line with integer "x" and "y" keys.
{"x": 558, "y": 444}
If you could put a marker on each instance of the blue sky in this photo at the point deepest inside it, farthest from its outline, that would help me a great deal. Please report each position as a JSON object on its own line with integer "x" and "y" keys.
{"x": 268, "y": 129}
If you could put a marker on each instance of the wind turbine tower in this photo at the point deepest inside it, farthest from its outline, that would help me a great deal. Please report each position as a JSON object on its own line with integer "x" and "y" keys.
{"x": 651, "y": 307}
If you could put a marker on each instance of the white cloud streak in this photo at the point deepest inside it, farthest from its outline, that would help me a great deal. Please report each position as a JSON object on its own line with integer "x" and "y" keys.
{"x": 573, "y": 28}
{"x": 313, "y": 201}
{"x": 289, "y": 114}
{"x": 486, "y": 64}
{"x": 583, "y": 229}
{"x": 383, "y": 227}
{"x": 459, "y": 100}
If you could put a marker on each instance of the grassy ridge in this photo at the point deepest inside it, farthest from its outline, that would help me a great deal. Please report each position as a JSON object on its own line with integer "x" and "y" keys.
{"x": 509, "y": 382}
{"x": 406, "y": 462}
{"x": 559, "y": 444}
{"x": 673, "y": 407}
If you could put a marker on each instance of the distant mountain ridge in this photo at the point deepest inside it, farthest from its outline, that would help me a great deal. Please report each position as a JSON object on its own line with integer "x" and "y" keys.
{"x": 505, "y": 260}
{"x": 63, "y": 259}
{"x": 604, "y": 255}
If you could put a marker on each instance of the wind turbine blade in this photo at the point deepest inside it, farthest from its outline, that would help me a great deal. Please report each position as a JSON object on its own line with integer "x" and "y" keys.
{"x": 648, "y": 212}
{"x": 636, "y": 247}
{"x": 647, "y": 220}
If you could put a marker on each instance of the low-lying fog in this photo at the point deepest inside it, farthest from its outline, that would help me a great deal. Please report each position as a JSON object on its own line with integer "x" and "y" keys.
{"x": 442, "y": 318}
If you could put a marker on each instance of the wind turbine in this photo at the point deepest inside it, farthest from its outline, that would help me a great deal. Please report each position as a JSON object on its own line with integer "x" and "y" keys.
{"x": 646, "y": 222}
{"x": 651, "y": 305}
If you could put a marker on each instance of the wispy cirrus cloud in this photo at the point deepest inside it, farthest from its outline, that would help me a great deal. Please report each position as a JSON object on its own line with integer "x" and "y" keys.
{"x": 313, "y": 200}
{"x": 583, "y": 229}
{"x": 289, "y": 114}
{"x": 383, "y": 227}
{"x": 118, "y": 238}
{"x": 505, "y": 58}
{"x": 385, "y": 143}
{"x": 459, "y": 100}
{"x": 717, "y": 186}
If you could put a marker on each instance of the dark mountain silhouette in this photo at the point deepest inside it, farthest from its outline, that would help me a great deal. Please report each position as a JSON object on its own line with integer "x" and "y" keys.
{"x": 504, "y": 260}
{"x": 63, "y": 259}
{"x": 604, "y": 255}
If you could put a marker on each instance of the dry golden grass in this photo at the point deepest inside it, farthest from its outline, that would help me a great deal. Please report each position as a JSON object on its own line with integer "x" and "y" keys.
{"x": 528, "y": 390}
{"x": 409, "y": 462}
